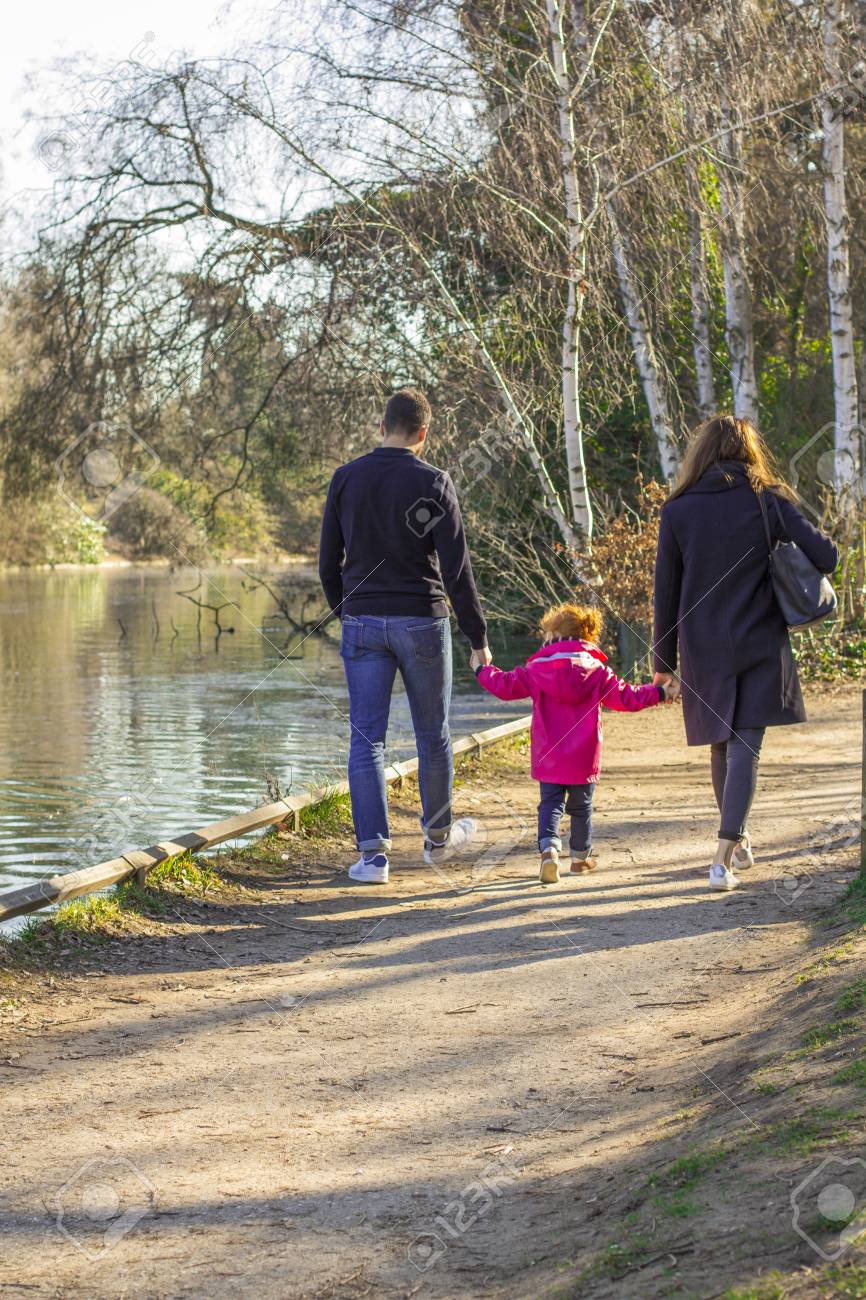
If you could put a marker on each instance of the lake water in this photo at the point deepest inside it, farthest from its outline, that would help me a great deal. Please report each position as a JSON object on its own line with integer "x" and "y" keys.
{"x": 123, "y": 721}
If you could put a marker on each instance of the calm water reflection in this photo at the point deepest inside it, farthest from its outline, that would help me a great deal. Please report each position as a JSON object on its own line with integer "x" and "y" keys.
{"x": 109, "y": 741}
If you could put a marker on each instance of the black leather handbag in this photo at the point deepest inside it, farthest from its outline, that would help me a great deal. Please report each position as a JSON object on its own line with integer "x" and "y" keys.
{"x": 804, "y": 595}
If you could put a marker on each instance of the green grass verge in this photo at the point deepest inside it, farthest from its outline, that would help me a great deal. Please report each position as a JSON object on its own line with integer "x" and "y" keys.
{"x": 330, "y": 815}
{"x": 685, "y": 1173}
{"x": 853, "y": 998}
{"x": 187, "y": 875}
{"x": 771, "y": 1287}
{"x": 853, "y": 902}
{"x": 667, "y": 1192}
{"x": 805, "y": 1133}
{"x": 854, "y": 1072}
{"x": 821, "y": 1035}
{"x": 847, "y": 1280}
{"x": 93, "y": 919}
{"x": 616, "y": 1260}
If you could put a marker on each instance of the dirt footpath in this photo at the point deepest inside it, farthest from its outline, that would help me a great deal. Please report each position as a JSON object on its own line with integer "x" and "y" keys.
{"x": 460, "y": 1083}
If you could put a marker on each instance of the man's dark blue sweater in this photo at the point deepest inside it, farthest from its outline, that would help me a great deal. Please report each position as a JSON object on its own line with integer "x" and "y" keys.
{"x": 393, "y": 542}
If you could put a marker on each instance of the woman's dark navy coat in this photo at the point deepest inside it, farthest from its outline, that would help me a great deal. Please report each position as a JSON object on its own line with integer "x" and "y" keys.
{"x": 716, "y": 618}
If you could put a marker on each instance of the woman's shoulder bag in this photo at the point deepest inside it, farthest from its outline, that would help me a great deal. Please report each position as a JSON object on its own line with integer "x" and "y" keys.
{"x": 804, "y": 595}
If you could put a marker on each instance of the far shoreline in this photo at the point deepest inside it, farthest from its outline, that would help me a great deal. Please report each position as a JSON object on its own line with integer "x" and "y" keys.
{"x": 280, "y": 560}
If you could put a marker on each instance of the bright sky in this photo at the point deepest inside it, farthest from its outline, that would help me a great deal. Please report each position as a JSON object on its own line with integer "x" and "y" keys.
{"x": 38, "y": 33}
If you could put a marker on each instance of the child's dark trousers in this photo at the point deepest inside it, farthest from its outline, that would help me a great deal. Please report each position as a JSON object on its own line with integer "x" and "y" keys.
{"x": 576, "y": 800}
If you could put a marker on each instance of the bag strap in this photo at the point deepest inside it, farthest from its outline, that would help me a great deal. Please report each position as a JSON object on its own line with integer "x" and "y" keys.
{"x": 762, "y": 503}
{"x": 782, "y": 529}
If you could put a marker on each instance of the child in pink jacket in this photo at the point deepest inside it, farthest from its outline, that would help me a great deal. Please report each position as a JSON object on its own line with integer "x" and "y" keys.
{"x": 568, "y": 682}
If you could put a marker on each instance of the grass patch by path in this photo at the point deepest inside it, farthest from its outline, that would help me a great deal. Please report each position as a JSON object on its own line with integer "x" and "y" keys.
{"x": 846, "y": 1281}
{"x": 87, "y": 915}
{"x": 84, "y": 921}
{"x": 667, "y": 1195}
{"x": 674, "y": 1193}
{"x": 821, "y": 1035}
{"x": 854, "y": 1072}
{"x": 803, "y": 1134}
{"x": 853, "y": 998}
{"x": 330, "y": 815}
{"x": 673, "y": 1186}
{"x": 771, "y": 1287}
{"x": 46, "y": 937}
{"x": 685, "y": 1173}
{"x": 614, "y": 1262}
{"x": 185, "y": 875}
{"x": 853, "y": 902}
{"x": 826, "y": 963}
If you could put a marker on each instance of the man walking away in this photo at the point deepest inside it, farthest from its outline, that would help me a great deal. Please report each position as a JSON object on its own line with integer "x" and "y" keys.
{"x": 392, "y": 547}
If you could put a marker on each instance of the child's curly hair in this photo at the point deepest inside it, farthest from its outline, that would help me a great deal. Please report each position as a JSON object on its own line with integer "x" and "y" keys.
{"x": 571, "y": 622}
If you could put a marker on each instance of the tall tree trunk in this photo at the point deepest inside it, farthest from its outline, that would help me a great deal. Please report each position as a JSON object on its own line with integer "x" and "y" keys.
{"x": 698, "y": 281}
{"x": 644, "y": 351}
{"x": 520, "y": 426}
{"x": 576, "y": 269}
{"x": 847, "y": 451}
{"x": 739, "y": 330}
{"x": 700, "y": 305}
{"x": 796, "y": 305}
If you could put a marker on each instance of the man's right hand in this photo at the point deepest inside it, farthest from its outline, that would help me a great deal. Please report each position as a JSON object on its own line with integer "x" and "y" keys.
{"x": 480, "y": 658}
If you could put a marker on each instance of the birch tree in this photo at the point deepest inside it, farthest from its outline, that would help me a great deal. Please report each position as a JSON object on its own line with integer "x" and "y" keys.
{"x": 846, "y": 459}
{"x": 739, "y": 328}
{"x": 575, "y": 258}
{"x": 644, "y": 350}
{"x": 633, "y": 294}
{"x": 700, "y": 307}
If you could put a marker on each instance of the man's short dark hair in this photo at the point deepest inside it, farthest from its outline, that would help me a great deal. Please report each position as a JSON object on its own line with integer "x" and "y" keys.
{"x": 406, "y": 412}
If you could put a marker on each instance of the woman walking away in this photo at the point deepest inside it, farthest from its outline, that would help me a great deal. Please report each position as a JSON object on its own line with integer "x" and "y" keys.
{"x": 715, "y": 608}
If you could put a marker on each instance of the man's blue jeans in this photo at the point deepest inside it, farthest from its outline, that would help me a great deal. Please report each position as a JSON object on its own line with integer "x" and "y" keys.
{"x": 374, "y": 649}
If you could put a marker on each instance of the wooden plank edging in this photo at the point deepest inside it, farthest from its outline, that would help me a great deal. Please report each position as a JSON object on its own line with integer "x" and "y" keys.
{"x": 72, "y": 884}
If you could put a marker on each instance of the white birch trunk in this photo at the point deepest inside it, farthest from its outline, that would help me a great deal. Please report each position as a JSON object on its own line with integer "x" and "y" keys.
{"x": 846, "y": 458}
{"x": 644, "y": 351}
{"x": 576, "y": 251}
{"x": 706, "y": 387}
{"x": 519, "y": 425}
{"x": 739, "y": 330}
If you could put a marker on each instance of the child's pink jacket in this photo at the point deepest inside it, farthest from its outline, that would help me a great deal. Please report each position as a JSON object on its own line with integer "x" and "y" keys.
{"x": 568, "y": 682}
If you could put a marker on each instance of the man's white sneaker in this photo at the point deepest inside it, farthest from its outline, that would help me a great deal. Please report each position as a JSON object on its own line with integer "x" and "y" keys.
{"x": 368, "y": 873}
{"x": 721, "y": 878}
{"x": 741, "y": 857}
{"x": 462, "y": 833}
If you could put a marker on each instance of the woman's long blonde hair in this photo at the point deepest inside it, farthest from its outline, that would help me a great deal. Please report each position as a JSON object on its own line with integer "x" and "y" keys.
{"x": 724, "y": 437}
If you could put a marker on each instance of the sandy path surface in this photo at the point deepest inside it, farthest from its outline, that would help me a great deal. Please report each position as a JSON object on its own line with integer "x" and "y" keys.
{"x": 430, "y": 1088}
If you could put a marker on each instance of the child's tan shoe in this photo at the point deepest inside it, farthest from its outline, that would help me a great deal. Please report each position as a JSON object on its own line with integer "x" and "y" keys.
{"x": 581, "y": 865}
{"x": 549, "y": 873}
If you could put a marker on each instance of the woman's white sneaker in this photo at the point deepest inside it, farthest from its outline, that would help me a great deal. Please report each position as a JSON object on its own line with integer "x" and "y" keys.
{"x": 741, "y": 857}
{"x": 369, "y": 873}
{"x": 462, "y": 833}
{"x": 721, "y": 878}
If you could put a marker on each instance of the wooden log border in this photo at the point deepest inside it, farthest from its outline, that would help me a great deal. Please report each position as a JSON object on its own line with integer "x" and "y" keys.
{"x": 72, "y": 884}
